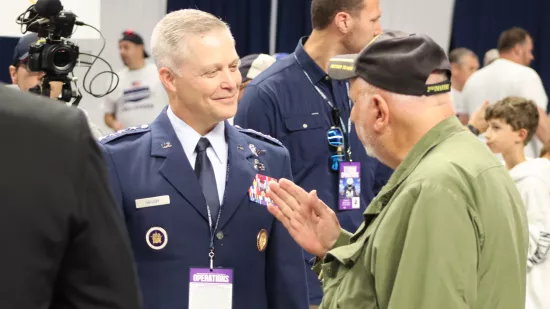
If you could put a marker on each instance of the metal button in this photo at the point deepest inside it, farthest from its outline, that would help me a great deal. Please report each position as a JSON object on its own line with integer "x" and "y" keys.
{"x": 327, "y": 77}
{"x": 305, "y": 126}
{"x": 219, "y": 235}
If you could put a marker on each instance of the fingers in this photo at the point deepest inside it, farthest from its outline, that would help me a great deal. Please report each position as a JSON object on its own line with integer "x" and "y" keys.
{"x": 319, "y": 207}
{"x": 276, "y": 212}
{"x": 297, "y": 192}
{"x": 287, "y": 197}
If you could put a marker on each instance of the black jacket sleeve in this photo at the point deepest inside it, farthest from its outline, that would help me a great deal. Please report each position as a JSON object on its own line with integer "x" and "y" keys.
{"x": 98, "y": 269}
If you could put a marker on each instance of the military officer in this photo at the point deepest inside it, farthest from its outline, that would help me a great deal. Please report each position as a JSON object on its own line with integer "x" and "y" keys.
{"x": 192, "y": 187}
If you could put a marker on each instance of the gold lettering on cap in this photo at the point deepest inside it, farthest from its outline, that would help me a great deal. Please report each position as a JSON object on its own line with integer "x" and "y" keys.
{"x": 438, "y": 88}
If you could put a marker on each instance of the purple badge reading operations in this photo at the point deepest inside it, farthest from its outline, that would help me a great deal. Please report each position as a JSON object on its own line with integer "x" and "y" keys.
{"x": 204, "y": 275}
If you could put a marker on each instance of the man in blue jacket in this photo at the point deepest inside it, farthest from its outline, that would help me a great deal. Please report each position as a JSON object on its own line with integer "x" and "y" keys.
{"x": 192, "y": 187}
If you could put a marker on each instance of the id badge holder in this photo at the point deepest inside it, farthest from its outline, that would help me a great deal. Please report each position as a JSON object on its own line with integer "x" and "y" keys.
{"x": 210, "y": 289}
{"x": 349, "y": 186}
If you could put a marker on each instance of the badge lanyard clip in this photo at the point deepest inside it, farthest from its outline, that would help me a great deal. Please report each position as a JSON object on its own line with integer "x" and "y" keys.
{"x": 212, "y": 232}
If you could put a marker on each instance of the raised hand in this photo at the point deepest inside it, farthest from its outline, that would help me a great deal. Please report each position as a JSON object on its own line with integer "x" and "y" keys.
{"x": 311, "y": 223}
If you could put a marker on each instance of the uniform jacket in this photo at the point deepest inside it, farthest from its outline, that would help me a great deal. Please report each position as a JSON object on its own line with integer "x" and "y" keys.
{"x": 449, "y": 231}
{"x": 150, "y": 162}
{"x": 532, "y": 178}
{"x": 64, "y": 242}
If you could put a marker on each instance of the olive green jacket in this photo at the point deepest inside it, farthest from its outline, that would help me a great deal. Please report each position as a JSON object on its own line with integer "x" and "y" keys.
{"x": 448, "y": 231}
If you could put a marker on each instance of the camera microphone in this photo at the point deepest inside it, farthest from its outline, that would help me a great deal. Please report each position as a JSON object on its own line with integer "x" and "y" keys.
{"x": 48, "y": 8}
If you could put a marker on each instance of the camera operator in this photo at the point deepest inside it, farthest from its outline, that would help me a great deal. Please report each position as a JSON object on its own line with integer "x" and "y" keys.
{"x": 25, "y": 79}
{"x": 20, "y": 74}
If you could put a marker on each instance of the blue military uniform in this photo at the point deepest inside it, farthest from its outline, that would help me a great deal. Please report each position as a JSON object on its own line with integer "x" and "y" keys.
{"x": 148, "y": 165}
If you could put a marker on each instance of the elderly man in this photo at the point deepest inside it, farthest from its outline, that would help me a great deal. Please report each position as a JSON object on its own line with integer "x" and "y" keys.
{"x": 192, "y": 187}
{"x": 449, "y": 230}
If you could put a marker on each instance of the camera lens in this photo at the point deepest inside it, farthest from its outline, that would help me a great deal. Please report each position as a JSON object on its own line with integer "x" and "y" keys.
{"x": 61, "y": 58}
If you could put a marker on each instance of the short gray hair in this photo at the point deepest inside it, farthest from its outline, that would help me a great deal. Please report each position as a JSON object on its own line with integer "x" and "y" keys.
{"x": 169, "y": 39}
{"x": 458, "y": 54}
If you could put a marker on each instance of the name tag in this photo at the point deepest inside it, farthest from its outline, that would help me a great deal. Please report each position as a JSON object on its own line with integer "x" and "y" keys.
{"x": 153, "y": 201}
{"x": 210, "y": 289}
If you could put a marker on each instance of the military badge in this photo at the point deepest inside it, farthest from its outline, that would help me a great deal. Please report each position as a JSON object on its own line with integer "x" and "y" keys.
{"x": 261, "y": 240}
{"x": 257, "y": 152}
{"x": 258, "y": 191}
{"x": 166, "y": 145}
{"x": 240, "y": 147}
{"x": 259, "y": 166}
{"x": 156, "y": 238}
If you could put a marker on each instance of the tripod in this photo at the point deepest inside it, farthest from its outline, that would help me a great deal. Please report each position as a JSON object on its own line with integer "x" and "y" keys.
{"x": 67, "y": 94}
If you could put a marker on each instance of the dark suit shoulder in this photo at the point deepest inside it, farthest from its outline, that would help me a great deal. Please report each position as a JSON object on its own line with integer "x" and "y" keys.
{"x": 130, "y": 133}
{"x": 45, "y": 117}
{"x": 260, "y": 136}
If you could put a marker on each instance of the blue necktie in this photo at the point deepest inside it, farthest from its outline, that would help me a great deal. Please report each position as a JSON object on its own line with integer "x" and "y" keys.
{"x": 207, "y": 180}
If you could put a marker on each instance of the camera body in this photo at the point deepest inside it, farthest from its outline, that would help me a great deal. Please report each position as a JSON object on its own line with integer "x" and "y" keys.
{"x": 56, "y": 59}
{"x": 53, "y": 54}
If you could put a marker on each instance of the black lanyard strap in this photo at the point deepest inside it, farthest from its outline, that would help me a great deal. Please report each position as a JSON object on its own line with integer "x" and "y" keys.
{"x": 335, "y": 110}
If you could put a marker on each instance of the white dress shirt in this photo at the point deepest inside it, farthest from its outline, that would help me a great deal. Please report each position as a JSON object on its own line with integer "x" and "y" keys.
{"x": 217, "y": 154}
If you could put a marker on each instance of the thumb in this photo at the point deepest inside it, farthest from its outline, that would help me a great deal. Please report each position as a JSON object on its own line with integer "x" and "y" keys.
{"x": 485, "y": 103}
{"x": 319, "y": 208}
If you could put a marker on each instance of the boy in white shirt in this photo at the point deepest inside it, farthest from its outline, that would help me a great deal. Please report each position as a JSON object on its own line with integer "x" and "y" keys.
{"x": 512, "y": 123}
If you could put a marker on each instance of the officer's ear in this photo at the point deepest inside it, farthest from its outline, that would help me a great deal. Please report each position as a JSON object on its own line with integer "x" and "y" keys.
{"x": 382, "y": 111}
{"x": 168, "y": 79}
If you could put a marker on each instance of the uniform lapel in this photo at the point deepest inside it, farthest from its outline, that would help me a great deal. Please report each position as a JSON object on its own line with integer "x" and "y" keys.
{"x": 240, "y": 174}
{"x": 176, "y": 167}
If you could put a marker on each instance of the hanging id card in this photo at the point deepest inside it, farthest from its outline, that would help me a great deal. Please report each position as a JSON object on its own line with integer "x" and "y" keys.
{"x": 210, "y": 289}
{"x": 349, "y": 186}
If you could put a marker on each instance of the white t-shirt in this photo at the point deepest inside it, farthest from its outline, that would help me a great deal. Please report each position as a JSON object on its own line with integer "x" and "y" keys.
{"x": 532, "y": 179}
{"x": 139, "y": 97}
{"x": 457, "y": 101}
{"x": 501, "y": 79}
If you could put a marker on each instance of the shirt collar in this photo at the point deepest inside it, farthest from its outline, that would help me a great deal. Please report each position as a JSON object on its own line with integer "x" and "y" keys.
{"x": 307, "y": 64}
{"x": 189, "y": 137}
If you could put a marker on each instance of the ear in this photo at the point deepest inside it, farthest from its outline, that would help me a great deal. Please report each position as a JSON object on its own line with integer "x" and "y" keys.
{"x": 382, "y": 113}
{"x": 13, "y": 74}
{"x": 168, "y": 79}
{"x": 522, "y": 134}
{"x": 343, "y": 22}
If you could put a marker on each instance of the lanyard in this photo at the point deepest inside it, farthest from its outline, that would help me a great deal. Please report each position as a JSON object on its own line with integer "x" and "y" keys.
{"x": 215, "y": 228}
{"x": 346, "y": 132}
{"x": 212, "y": 232}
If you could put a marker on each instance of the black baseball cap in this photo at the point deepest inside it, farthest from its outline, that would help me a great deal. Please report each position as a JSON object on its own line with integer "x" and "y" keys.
{"x": 21, "y": 52}
{"x": 131, "y": 36}
{"x": 397, "y": 62}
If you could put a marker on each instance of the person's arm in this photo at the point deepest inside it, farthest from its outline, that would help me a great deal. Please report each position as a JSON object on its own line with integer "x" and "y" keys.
{"x": 532, "y": 88}
{"x": 536, "y": 198}
{"x": 433, "y": 263}
{"x": 477, "y": 124}
{"x": 543, "y": 129}
{"x": 98, "y": 268}
{"x": 109, "y": 109}
{"x": 286, "y": 272}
